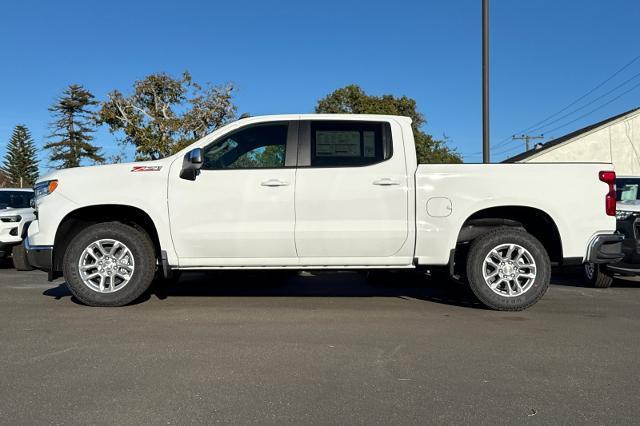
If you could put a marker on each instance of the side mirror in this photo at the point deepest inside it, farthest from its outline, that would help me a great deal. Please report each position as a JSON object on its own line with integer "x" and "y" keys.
{"x": 191, "y": 164}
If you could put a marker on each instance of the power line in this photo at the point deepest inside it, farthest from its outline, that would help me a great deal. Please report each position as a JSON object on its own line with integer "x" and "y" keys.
{"x": 608, "y": 79}
{"x": 509, "y": 149}
{"x": 588, "y": 103}
{"x": 506, "y": 141}
{"x": 504, "y": 151}
{"x": 596, "y": 109}
{"x": 526, "y": 139}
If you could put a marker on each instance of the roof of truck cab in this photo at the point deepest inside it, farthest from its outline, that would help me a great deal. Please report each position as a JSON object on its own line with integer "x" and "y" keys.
{"x": 367, "y": 117}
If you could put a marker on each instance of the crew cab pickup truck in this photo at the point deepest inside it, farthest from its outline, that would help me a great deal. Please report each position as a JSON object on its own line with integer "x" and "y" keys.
{"x": 320, "y": 192}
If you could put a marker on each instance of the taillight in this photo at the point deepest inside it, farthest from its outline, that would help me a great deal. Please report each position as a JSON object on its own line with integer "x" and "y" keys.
{"x": 609, "y": 177}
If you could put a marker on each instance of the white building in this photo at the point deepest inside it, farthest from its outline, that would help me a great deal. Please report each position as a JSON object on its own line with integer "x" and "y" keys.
{"x": 615, "y": 140}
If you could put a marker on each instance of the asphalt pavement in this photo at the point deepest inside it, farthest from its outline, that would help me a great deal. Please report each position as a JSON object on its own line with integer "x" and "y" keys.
{"x": 317, "y": 349}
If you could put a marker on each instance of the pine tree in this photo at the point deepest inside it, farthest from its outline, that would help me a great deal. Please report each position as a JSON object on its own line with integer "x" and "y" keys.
{"x": 20, "y": 164}
{"x": 73, "y": 128}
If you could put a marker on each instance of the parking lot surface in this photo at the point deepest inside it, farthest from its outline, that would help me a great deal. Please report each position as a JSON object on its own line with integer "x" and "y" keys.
{"x": 327, "y": 348}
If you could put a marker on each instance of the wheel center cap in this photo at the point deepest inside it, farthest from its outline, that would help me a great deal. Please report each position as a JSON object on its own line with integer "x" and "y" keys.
{"x": 508, "y": 269}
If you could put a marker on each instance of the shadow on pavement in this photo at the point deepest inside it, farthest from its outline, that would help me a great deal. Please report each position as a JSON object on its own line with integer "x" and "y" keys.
{"x": 306, "y": 284}
{"x": 405, "y": 285}
{"x": 571, "y": 276}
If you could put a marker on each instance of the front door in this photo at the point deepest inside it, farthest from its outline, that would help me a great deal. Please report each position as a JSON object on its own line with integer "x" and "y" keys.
{"x": 240, "y": 209}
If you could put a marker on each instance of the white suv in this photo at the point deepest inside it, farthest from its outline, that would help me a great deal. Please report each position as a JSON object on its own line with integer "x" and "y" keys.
{"x": 15, "y": 213}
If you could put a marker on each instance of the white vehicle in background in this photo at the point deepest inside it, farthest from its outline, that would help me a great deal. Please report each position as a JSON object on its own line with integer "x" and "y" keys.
{"x": 320, "y": 192}
{"x": 15, "y": 213}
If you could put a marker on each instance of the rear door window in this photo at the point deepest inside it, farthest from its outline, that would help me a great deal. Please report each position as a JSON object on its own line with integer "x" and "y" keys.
{"x": 349, "y": 143}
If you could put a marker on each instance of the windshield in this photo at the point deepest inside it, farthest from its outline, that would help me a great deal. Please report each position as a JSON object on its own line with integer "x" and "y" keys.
{"x": 15, "y": 199}
{"x": 627, "y": 189}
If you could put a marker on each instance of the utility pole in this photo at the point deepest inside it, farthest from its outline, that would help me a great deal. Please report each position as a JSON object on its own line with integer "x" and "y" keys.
{"x": 526, "y": 139}
{"x": 486, "y": 158}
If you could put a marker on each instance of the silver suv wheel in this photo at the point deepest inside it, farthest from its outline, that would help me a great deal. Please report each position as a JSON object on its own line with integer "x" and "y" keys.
{"x": 106, "y": 266}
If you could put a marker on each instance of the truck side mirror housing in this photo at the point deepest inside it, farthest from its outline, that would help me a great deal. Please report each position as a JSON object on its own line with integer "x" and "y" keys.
{"x": 191, "y": 164}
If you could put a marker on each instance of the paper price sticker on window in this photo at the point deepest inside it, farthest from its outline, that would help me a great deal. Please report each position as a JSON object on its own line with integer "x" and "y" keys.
{"x": 338, "y": 143}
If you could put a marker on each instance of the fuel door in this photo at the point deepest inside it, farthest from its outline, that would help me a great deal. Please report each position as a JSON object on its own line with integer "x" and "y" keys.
{"x": 439, "y": 207}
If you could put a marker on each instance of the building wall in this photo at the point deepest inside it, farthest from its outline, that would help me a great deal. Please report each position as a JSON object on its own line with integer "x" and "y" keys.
{"x": 617, "y": 143}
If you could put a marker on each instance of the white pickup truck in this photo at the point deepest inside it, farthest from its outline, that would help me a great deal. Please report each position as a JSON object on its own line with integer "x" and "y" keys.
{"x": 320, "y": 192}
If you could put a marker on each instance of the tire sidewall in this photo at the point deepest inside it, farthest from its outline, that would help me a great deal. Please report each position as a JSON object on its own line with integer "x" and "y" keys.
{"x": 141, "y": 249}
{"x": 479, "y": 250}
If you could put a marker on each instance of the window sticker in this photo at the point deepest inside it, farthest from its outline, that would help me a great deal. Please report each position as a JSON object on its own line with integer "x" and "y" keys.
{"x": 337, "y": 143}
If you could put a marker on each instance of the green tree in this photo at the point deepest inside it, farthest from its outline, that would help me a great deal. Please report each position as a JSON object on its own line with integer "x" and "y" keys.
{"x": 267, "y": 156}
{"x": 353, "y": 100}
{"x": 165, "y": 114}
{"x": 20, "y": 164}
{"x": 73, "y": 129}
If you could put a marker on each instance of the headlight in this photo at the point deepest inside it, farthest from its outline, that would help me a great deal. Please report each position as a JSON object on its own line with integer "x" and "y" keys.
{"x": 11, "y": 219}
{"x": 623, "y": 214}
{"x": 45, "y": 188}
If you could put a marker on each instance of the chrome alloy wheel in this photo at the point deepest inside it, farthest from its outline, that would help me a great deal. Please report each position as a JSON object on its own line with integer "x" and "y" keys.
{"x": 106, "y": 266}
{"x": 509, "y": 270}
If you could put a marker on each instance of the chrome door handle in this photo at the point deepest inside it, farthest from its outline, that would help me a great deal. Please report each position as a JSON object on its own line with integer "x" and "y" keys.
{"x": 274, "y": 182}
{"x": 386, "y": 182}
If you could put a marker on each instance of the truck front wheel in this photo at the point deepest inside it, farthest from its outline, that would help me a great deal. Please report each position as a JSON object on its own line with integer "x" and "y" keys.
{"x": 109, "y": 264}
{"x": 508, "y": 269}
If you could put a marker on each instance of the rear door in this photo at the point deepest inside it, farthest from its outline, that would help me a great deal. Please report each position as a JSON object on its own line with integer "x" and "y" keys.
{"x": 352, "y": 193}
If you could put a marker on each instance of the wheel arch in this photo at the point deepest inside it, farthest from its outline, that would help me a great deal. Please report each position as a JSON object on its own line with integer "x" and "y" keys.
{"x": 533, "y": 220}
{"x": 78, "y": 219}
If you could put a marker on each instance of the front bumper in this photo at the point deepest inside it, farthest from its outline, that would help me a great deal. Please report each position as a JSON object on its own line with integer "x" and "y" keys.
{"x": 605, "y": 248}
{"x": 40, "y": 257}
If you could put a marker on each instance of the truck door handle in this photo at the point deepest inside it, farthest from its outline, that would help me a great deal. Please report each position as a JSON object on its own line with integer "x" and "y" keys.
{"x": 386, "y": 182}
{"x": 274, "y": 182}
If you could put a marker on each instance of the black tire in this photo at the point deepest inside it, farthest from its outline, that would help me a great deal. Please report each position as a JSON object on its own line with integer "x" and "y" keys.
{"x": 19, "y": 257}
{"x": 143, "y": 253}
{"x": 483, "y": 245}
{"x": 596, "y": 275}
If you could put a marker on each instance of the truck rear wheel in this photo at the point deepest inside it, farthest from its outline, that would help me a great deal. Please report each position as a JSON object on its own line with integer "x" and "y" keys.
{"x": 597, "y": 276}
{"x": 508, "y": 269}
{"x": 109, "y": 264}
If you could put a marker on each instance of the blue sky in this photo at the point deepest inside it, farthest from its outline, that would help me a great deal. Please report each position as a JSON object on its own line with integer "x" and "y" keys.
{"x": 283, "y": 56}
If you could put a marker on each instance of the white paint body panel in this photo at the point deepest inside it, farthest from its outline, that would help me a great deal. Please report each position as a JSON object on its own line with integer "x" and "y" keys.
{"x": 327, "y": 217}
{"x": 237, "y": 217}
{"x": 571, "y": 194}
{"x": 344, "y": 212}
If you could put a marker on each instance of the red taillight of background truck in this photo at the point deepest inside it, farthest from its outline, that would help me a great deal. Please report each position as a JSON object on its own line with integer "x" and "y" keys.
{"x": 609, "y": 177}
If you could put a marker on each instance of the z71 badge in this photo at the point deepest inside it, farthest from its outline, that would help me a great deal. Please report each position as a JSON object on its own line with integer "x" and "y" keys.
{"x": 146, "y": 168}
